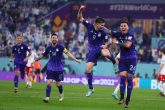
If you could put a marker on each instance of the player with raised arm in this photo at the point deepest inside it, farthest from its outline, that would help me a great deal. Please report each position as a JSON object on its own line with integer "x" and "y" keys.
{"x": 55, "y": 67}
{"x": 128, "y": 60}
{"x": 19, "y": 52}
{"x": 98, "y": 43}
{"x": 161, "y": 72}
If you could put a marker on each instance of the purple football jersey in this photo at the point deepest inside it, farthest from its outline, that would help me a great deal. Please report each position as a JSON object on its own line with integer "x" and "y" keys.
{"x": 55, "y": 57}
{"x": 20, "y": 52}
{"x": 126, "y": 53}
{"x": 96, "y": 38}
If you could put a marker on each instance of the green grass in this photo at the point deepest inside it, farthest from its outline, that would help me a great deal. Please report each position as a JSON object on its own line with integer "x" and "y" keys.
{"x": 31, "y": 99}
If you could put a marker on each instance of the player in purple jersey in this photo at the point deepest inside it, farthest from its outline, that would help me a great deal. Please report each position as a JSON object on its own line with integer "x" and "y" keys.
{"x": 97, "y": 40}
{"x": 128, "y": 60}
{"x": 55, "y": 67}
{"x": 19, "y": 52}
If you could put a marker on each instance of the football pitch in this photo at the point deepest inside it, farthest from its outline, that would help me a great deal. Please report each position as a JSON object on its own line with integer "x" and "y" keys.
{"x": 31, "y": 99}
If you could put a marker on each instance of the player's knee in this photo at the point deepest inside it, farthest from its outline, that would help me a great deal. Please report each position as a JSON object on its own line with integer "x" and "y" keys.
{"x": 17, "y": 73}
{"x": 49, "y": 82}
{"x": 105, "y": 52}
{"x": 88, "y": 70}
{"x": 58, "y": 84}
{"x": 124, "y": 73}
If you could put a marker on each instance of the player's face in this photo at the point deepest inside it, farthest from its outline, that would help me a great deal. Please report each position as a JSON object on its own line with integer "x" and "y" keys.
{"x": 19, "y": 39}
{"x": 124, "y": 28}
{"x": 54, "y": 39}
{"x": 100, "y": 26}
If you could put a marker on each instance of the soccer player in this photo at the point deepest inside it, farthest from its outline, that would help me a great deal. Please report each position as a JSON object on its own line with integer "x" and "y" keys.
{"x": 161, "y": 72}
{"x": 97, "y": 40}
{"x": 55, "y": 67}
{"x": 19, "y": 52}
{"x": 128, "y": 60}
{"x": 29, "y": 68}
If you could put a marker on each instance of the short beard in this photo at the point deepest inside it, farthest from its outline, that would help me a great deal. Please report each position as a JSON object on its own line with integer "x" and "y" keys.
{"x": 54, "y": 43}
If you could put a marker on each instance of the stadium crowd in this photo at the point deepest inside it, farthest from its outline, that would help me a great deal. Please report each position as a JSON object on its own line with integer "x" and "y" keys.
{"x": 16, "y": 16}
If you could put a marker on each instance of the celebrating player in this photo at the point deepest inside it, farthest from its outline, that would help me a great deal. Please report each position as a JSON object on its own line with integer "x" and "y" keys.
{"x": 128, "y": 60}
{"x": 55, "y": 66}
{"x": 161, "y": 72}
{"x": 19, "y": 52}
{"x": 97, "y": 38}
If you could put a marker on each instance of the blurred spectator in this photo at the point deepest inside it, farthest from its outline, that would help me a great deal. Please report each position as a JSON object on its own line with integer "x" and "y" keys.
{"x": 146, "y": 75}
{"x": 9, "y": 67}
{"x": 154, "y": 75}
{"x": 138, "y": 75}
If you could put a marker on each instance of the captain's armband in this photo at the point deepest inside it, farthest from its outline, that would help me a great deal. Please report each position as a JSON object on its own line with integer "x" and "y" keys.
{"x": 65, "y": 51}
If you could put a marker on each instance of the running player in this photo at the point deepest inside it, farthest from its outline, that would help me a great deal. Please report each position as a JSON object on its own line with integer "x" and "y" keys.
{"x": 19, "y": 52}
{"x": 128, "y": 60}
{"x": 29, "y": 68}
{"x": 55, "y": 67}
{"x": 97, "y": 38}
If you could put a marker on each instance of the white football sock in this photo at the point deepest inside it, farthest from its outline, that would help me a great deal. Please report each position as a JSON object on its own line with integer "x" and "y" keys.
{"x": 126, "y": 90}
{"x": 160, "y": 84}
{"x": 116, "y": 89}
{"x": 30, "y": 83}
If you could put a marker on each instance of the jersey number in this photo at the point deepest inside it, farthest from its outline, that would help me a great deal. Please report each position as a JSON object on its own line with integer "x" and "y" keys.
{"x": 132, "y": 68}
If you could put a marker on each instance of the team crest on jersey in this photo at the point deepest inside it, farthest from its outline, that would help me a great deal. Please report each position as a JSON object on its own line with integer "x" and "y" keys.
{"x": 57, "y": 50}
{"x": 21, "y": 47}
{"x": 86, "y": 21}
{"x": 129, "y": 37}
{"x": 99, "y": 34}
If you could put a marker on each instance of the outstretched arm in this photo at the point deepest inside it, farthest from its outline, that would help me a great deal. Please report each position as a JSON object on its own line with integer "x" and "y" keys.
{"x": 79, "y": 15}
{"x": 108, "y": 31}
{"x": 27, "y": 57}
{"x": 39, "y": 57}
{"x": 69, "y": 54}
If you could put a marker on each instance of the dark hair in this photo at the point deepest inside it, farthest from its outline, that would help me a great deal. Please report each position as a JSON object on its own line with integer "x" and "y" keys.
{"x": 54, "y": 34}
{"x": 99, "y": 20}
{"x": 162, "y": 50}
{"x": 124, "y": 21}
